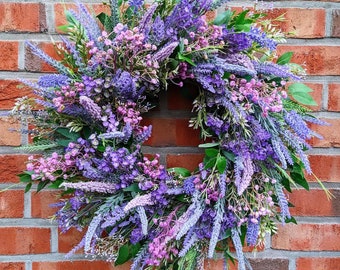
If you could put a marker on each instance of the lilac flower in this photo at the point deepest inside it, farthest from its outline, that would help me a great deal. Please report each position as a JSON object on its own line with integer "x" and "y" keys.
{"x": 91, "y": 186}
{"x": 112, "y": 218}
{"x": 53, "y": 80}
{"x": 125, "y": 85}
{"x": 282, "y": 202}
{"x": 91, "y": 107}
{"x": 189, "y": 186}
{"x": 142, "y": 200}
{"x": 165, "y": 51}
{"x": 253, "y": 228}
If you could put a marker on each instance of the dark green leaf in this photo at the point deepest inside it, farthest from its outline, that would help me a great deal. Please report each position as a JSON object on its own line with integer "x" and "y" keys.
{"x": 208, "y": 145}
{"x": 211, "y": 152}
{"x": 25, "y": 177}
{"x": 300, "y": 180}
{"x": 42, "y": 185}
{"x": 66, "y": 133}
{"x": 134, "y": 249}
{"x": 284, "y": 58}
{"x": 64, "y": 143}
{"x": 56, "y": 184}
{"x": 123, "y": 255}
{"x": 105, "y": 21}
{"x": 133, "y": 188}
{"x": 185, "y": 58}
{"x": 300, "y": 92}
{"x": 180, "y": 171}
{"x": 28, "y": 187}
{"x": 229, "y": 155}
{"x": 291, "y": 220}
{"x": 209, "y": 162}
{"x": 221, "y": 164}
{"x": 223, "y": 18}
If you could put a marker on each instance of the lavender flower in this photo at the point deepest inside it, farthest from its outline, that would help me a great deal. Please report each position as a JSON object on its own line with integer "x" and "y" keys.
{"x": 143, "y": 219}
{"x": 91, "y": 186}
{"x": 238, "y": 247}
{"x": 142, "y": 200}
{"x": 53, "y": 80}
{"x": 165, "y": 51}
{"x": 91, "y": 107}
{"x": 91, "y": 232}
{"x": 282, "y": 202}
{"x": 253, "y": 228}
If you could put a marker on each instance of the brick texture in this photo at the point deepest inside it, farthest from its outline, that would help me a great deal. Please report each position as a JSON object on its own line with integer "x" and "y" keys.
{"x": 22, "y": 17}
{"x": 315, "y": 28}
{"x": 308, "y": 237}
{"x": 19, "y": 240}
{"x": 12, "y": 204}
{"x": 318, "y": 264}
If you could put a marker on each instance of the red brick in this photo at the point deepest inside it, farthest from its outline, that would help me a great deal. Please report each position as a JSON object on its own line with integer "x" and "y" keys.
{"x": 10, "y": 166}
{"x": 67, "y": 241}
{"x": 41, "y": 203}
{"x": 306, "y": 204}
{"x": 318, "y": 264}
{"x": 78, "y": 265}
{"x": 22, "y": 17}
{"x": 35, "y": 64}
{"x": 181, "y": 98}
{"x": 326, "y": 168}
{"x": 19, "y": 240}
{"x": 12, "y": 204}
{"x": 295, "y": 21}
{"x": 308, "y": 237}
{"x": 9, "y": 55}
{"x": 269, "y": 264}
{"x": 334, "y": 97}
{"x": 336, "y": 23}
{"x": 318, "y": 59}
{"x": 59, "y": 11}
{"x": 7, "y": 136}
{"x": 9, "y": 91}
{"x": 331, "y": 138}
{"x": 188, "y": 161}
{"x": 12, "y": 266}
{"x": 171, "y": 132}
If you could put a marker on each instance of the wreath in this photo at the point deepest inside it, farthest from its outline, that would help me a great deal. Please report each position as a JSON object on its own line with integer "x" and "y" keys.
{"x": 88, "y": 129}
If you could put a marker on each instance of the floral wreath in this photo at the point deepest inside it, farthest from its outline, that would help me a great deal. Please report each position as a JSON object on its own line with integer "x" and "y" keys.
{"x": 90, "y": 132}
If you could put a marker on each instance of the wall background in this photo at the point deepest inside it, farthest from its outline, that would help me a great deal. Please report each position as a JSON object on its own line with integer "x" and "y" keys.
{"x": 28, "y": 241}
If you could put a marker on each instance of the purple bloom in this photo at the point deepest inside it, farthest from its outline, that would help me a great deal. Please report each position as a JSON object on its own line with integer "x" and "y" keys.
{"x": 53, "y": 80}
{"x": 253, "y": 228}
{"x": 136, "y": 4}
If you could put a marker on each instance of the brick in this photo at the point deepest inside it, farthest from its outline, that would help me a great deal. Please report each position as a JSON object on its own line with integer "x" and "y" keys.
{"x": 318, "y": 59}
{"x": 308, "y": 237}
{"x": 269, "y": 264}
{"x": 326, "y": 168}
{"x": 59, "y": 11}
{"x": 331, "y": 138}
{"x": 42, "y": 203}
{"x": 318, "y": 264}
{"x": 10, "y": 166}
{"x": 34, "y": 64}
{"x": 19, "y": 240}
{"x": 12, "y": 204}
{"x": 11, "y": 90}
{"x": 306, "y": 205}
{"x": 8, "y": 137}
{"x": 22, "y": 17}
{"x": 171, "y": 132}
{"x": 188, "y": 161}
{"x": 12, "y": 266}
{"x": 9, "y": 55}
{"x": 81, "y": 265}
{"x": 68, "y": 240}
{"x": 334, "y": 97}
{"x": 336, "y": 23}
{"x": 181, "y": 99}
{"x": 295, "y": 21}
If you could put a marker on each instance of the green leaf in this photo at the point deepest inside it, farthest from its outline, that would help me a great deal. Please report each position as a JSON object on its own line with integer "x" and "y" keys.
{"x": 291, "y": 220}
{"x": 221, "y": 164}
{"x": 64, "y": 28}
{"x": 186, "y": 59}
{"x": 56, "y": 184}
{"x": 209, "y": 162}
{"x": 208, "y": 145}
{"x": 133, "y": 188}
{"x": 284, "y": 58}
{"x": 211, "y": 152}
{"x": 25, "y": 177}
{"x": 28, "y": 187}
{"x": 42, "y": 185}
{"x": 64, "y": 143}
{"x": 223, "y": 18}
{"x": 300, "y": 180}
{"x": 300, "y": 92}
{"x": 229, "y": 155}
{"x": 105, "y": 21}
{"x": 123, "y": 255}
{"x": 180, "y": 171}
{"x": 68, "y": 134}
{"x": 134, "y": 249}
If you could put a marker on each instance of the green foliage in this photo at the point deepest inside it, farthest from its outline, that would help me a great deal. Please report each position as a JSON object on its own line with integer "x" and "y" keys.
{"x": 126, "y": 252}
{"x": 284, "y": 58}
{"x": 300, "y": 92}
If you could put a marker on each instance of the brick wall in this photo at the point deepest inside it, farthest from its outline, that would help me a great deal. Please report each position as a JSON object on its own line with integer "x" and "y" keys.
{"x": 28, "y": 241}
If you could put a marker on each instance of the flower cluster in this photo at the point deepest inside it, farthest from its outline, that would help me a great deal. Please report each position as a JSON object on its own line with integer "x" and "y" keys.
{"x": 91, "y": 132}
